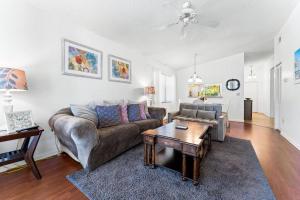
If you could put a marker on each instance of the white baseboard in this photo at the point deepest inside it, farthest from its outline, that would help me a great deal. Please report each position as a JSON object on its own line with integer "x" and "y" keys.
{"x": 236, "y": 120}
{"x": 290, "y": 140}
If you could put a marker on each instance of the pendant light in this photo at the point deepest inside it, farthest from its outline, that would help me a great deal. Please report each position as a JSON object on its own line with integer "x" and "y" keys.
{"x": 195, "y": 79}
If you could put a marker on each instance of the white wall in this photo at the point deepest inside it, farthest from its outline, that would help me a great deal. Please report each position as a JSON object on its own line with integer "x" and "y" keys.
{"x": 260, "y": 86}
{"x": 290, "y": 99}
{"x": 218, "y": 71}
{"x": 31, "y": 39}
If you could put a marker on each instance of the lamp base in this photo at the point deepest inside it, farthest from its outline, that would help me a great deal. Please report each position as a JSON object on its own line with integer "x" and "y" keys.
{"x": 7, "y": 102}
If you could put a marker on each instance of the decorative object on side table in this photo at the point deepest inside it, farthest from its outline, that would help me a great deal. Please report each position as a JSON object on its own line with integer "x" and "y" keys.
{"x": 16, "y": 121}
{"x": 11, "y": 79}
{"x": 297, "y": 66}
{"x": 80, "y": 60}
{"x": 150, "y": 92}
{"x": 27, "y": 150}
{"x": 119, "y": 69}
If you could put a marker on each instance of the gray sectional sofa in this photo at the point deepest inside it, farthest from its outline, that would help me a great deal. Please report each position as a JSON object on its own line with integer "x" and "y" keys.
{"x": 93, "y": 147}
{"x": 203, "y": 113}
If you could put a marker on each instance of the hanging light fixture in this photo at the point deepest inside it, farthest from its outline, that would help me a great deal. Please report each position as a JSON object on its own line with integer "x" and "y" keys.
{"x": 195, "y": 79}
{"x": 252, "y": 74}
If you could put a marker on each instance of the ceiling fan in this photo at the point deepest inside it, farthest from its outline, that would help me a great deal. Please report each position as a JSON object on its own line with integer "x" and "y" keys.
{"x": 189, "y": 16}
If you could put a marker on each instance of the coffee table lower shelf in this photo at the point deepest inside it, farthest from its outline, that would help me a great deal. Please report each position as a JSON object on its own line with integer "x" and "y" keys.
{"x": 172, "y": 159}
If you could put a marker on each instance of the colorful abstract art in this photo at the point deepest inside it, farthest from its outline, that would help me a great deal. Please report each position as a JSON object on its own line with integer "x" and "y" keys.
{"x": 80, "y": 60}
{"x": 119, "y": 69}
{"x": 297, "y": 66}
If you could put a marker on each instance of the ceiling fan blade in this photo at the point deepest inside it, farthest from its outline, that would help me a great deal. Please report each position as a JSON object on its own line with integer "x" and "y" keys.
{"x": 208, "y": 23}
{"x": 160, "y": 28}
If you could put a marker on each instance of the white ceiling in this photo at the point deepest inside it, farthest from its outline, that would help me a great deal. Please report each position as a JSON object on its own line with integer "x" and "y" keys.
{"x": 245, "y": 25}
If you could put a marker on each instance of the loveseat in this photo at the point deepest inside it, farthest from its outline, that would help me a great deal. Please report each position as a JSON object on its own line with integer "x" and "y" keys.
{"x": 203, "y": 113}
{"x": 91, "y": 146}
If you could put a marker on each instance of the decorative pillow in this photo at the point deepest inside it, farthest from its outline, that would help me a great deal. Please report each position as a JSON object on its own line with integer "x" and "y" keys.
{"x": 114, "y": 102}
{"x": 202, "y": 114}
{"x": 142, "y": 111}
{"x": 108, "y": 115}
{"x": 85, "y": 112}
{"x": 124, "y": 115}
{"x": 191, "y": 113}
{"x": 145, "y": 106}
{"x": 133, "y": 112}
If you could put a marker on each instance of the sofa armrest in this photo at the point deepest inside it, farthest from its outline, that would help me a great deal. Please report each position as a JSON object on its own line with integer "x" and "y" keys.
{"x": 157, "y": 113}
{"x": 78, "y": 131}
{"x": 171, "y": 115}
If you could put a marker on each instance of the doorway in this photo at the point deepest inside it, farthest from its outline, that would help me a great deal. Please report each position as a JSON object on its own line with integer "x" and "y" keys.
{"x": 275, "y": 91}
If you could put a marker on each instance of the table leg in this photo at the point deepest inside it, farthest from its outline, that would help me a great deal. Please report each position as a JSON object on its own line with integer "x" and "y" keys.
{"x": 209, "y": 141}
{"x": 153, "y": 156}
{"x": 145, "y": 154}
{"x": 196, "y": 171}
{"x": 184, "y": 167}
{"x": 29, "y": 155}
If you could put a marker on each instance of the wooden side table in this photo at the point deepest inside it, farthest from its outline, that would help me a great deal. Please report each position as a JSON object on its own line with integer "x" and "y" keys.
{"x": 25, "y": 152}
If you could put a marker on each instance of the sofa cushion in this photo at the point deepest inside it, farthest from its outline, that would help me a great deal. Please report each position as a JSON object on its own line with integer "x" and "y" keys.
{"x": 133, "y": 112}
{"x": 108, "y": 115}
{"x": 212, "y": 122}
{"x": 147, "y": 124}
{"x": 85, "y": 112}
{"x": 189, "y": 113}
{"x": 211, "y": 115}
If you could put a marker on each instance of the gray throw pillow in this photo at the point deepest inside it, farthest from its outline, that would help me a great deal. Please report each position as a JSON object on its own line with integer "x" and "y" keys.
{"x": 191, "y": 113}
{"x": 202, "y": 114}
{"x": 85, "y": 112}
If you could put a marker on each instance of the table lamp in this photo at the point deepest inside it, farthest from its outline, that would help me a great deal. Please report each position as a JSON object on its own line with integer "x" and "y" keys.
{"x": 150, "y": 91}
{"x": 11, "y": 79}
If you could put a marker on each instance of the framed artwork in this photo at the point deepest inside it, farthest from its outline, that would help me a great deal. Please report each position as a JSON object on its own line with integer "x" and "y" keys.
{"x": 19, "y": 120}
{"x": 195, "y": 90}
{"x": 212, "y": 91}
{"x": 297, "y": 66}
{"x": 119, "y": 69}
{"x": 80, "y": 60}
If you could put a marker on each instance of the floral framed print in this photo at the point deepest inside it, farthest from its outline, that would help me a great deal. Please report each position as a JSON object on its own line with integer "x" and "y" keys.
{"x": 80, "y": 60}
{"x": 119, "y": 69}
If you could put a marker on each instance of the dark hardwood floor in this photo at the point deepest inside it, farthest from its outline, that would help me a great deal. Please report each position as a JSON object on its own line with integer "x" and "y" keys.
{"x": 279, "y": 159}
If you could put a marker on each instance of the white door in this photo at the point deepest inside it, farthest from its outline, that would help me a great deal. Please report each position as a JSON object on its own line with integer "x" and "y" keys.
{"x": 277, "y": 96}
{"x": 251, "y": 91}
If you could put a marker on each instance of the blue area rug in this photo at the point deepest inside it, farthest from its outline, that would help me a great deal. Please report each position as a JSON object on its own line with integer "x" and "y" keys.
{"x": 230, "y": 171}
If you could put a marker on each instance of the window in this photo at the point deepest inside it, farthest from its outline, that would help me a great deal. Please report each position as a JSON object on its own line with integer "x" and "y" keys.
{"x": 166, "y": 88}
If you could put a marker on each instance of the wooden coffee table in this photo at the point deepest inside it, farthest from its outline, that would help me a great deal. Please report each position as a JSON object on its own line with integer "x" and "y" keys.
{"x": 181, "y": 150}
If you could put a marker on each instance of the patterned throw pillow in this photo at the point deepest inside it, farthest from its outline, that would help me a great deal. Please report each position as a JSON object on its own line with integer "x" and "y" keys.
{"x": 124, "y": 115}
{"x": 142, "y": 111}
{"x": 108, "y": 115}
{"x": 134, "y": 112}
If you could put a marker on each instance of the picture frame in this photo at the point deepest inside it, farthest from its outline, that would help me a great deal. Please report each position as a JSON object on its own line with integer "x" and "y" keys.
{"x": 19, "y": 120}
{"x": 297, "y": 67}
{"x": 119, "y": 69}
{"x": 212, "y": 90}
{"x": 80, "y": 60}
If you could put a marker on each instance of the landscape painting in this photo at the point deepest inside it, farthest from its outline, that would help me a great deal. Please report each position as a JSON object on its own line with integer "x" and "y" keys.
{"x": 212, "y": 90}
{"x": 119, "y": 69}
{"x": 297, "y": 66}
{"x": 80, "y": 60}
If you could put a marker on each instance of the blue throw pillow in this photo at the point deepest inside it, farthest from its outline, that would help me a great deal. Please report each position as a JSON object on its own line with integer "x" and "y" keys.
{"x": 108, "y": 115}
{"x": 134, "y": 112}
